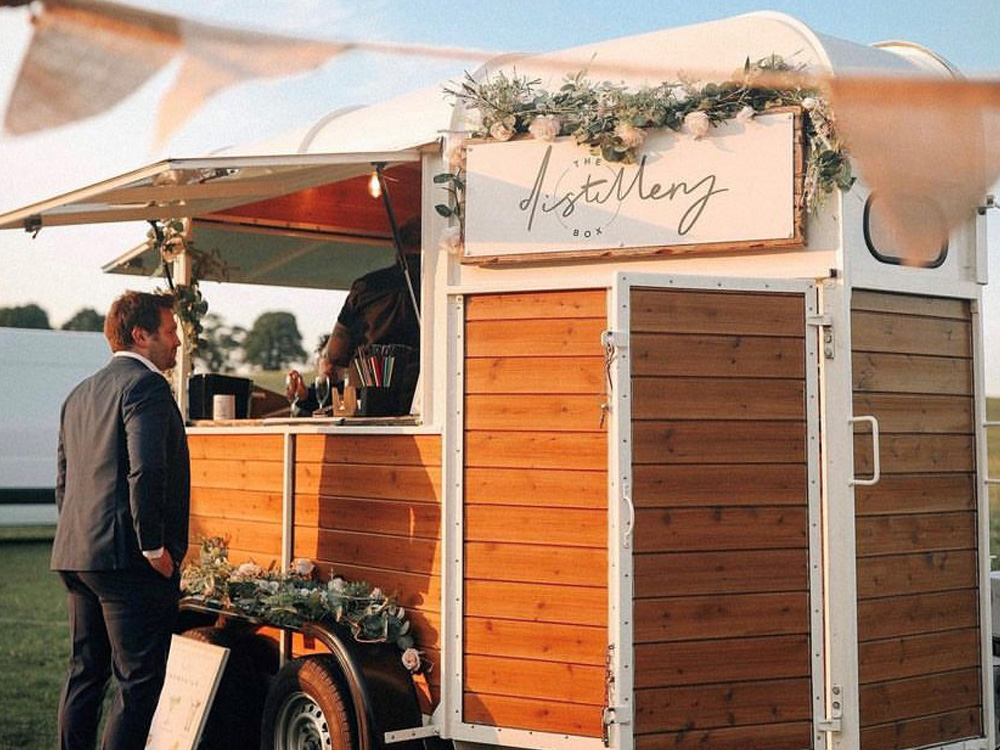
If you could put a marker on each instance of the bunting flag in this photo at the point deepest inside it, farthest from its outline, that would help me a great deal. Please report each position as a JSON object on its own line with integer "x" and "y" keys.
{"x": 86, "y": 56}
{"x": 929, "y": 149}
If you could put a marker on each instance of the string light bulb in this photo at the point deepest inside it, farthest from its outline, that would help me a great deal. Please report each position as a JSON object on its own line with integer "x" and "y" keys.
{"x": 374, "y": 186}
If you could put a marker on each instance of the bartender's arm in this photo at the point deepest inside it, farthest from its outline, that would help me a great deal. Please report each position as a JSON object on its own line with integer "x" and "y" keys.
{"x": 338, "y": 351}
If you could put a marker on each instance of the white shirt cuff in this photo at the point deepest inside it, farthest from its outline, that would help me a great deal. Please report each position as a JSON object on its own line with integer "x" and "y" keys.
{"x": 153, "y": 554}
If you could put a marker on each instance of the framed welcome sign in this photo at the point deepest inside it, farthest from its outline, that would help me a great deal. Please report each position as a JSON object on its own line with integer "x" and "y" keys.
{"x": 736, "y": 188}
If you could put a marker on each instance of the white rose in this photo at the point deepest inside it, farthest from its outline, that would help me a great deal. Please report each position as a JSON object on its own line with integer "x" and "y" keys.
{"x": 411, "y": 659}
{"x": 303, "y": 566}
{"x": 376, "y": 593}
{"x": 809, "y": 103}
{"x": 454, "y": 152}
{"x": 630, "y": 135}
{"x": 745, "y": 115}
{"x": 337, "y": 584}
{"x": 503, "y": 130}
{"x": 680, "y": 94}
{"x": 697, "y": 123}
{"x": 451, "y": 240}
{"x": 545, "y": 127}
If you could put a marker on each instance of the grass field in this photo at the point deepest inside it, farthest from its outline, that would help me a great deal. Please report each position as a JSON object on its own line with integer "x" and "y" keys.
{"x": 34, "y": 634}
{"x": 34, "y": 641}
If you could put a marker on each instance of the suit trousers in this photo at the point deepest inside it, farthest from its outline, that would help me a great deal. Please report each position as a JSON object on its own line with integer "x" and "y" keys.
{"x": 121, "y": 622}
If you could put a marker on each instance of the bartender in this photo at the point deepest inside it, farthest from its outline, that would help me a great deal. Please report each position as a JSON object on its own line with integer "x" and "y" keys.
{"x": 380, "y": 309}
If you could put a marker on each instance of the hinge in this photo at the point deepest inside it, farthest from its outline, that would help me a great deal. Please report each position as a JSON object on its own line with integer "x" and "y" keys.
{"x": 833, "y": 722}
{"x": 825, "y": 324}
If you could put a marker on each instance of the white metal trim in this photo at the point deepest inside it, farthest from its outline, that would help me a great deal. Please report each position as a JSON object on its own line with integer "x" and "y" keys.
{"x": 452, "y": 531}
{"x": 983, "y": 513}
{"x": 621, "y": 510}
{"x": 287, "y": 529}
{"x": 839, "y": 553}
{"x": 818, "y": 641}
{"x": 526, "y": 738}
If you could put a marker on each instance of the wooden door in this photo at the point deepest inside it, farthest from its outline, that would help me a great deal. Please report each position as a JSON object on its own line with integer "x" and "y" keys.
{"x": 919, "y": 650}
{"x": 724, "y": 633}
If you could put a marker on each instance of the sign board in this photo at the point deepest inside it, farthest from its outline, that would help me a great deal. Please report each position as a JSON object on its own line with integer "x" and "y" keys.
{"x": 736, "y": 185}
{"x": 193, "y": 673}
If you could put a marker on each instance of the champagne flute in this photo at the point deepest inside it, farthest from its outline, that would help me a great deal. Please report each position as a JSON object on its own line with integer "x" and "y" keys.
{"x": 322, "y": 385}
{"x": 292, "y": 381}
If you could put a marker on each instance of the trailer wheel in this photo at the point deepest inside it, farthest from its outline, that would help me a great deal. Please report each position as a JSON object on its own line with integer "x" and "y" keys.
{"x": 307, "y": 708}
{"x": 233, "y": 721}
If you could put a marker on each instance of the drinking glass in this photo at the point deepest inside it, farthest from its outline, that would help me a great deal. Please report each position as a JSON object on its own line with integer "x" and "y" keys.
{"x": 291, "y": 391}
{"x": 322, "y": 385}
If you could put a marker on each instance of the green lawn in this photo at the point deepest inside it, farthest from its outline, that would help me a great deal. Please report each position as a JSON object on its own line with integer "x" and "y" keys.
{"x": 34, "y": 641}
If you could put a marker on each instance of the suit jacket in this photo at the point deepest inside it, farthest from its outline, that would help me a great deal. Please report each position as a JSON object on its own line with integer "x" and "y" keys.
{"x": 124, "y": 477}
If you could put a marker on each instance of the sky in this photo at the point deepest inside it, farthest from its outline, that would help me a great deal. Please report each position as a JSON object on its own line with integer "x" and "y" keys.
{"x": 60, "y": 269}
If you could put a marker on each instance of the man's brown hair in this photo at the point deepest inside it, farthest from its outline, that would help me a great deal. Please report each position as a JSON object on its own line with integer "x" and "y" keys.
{"x": 134, "y": 309}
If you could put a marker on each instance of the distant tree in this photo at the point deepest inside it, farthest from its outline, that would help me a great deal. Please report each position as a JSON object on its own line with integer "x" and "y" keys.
{"x": 25, "y": 316}
{"x": 221, "y": 344}
{"x": 85, "y": 319}
{"x": 274, "y": 341}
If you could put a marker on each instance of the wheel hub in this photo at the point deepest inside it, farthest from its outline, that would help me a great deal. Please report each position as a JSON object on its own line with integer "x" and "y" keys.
{"x": 301, "y": 725}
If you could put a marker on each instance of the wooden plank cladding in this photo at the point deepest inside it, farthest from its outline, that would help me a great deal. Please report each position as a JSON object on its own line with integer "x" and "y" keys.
{"x": 721, "y": 561}
{"x": 369, "y": 508}
{"x": 535, "y": 512}
{"x": 236, "y": 485}
{"x": 917, "y": 529}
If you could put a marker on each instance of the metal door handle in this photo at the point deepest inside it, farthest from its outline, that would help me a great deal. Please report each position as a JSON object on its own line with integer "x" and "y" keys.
{"x": 876, "y": 466}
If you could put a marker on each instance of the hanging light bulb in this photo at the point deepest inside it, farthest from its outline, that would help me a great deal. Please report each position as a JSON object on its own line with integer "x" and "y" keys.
{"x": 374, "y": 186}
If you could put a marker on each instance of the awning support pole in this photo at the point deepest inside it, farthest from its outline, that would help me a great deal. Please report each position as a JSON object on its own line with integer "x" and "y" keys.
{"x": 400, "y": 255}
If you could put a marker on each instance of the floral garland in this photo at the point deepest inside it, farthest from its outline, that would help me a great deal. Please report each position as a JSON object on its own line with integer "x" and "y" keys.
{"x": 170, "y": 240}
{"x": 297, "y": 596}
{"x": 612, "y": 121}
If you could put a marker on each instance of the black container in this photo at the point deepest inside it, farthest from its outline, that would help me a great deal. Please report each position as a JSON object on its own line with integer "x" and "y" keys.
{"x": 203, "y": 386}
{"x": 378, "y": 402}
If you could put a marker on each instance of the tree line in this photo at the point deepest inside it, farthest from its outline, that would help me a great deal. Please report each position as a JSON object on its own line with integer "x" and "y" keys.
{"x": 273, "y": 342}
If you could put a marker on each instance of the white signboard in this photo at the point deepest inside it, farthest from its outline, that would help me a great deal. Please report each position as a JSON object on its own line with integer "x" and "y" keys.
{"x": 193, "y": 672}
{"x": 735, "y": 185}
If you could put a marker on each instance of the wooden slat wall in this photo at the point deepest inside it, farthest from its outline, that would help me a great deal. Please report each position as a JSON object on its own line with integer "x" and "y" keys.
{"x": 236, "y": 483}
{"x": 918, "y": 614}
{"x": 367, "y": 507}
{"x": 721, "y": 617}
{"x": 535, "y": 512}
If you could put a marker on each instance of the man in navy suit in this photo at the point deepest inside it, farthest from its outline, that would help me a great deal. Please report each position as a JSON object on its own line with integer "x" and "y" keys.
{"x": 123, "y": 496}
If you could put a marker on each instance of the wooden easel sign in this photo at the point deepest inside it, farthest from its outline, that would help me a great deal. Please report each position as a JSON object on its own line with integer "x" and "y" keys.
{"x": 193, "y": 673}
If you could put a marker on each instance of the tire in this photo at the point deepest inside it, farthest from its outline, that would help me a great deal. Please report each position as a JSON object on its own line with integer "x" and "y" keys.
{"x": 307, "y": 708}
{"x": 233, "y": 723}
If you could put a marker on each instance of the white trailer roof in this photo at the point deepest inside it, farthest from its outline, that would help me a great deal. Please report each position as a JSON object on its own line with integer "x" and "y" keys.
{"x": 345, "y": 143}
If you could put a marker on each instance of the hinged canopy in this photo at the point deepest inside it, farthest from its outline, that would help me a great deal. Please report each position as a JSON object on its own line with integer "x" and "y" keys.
{"x": 176, "y": 188}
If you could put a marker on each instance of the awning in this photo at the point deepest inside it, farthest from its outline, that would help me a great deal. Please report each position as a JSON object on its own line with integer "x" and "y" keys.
{"x": 178, "y": 188}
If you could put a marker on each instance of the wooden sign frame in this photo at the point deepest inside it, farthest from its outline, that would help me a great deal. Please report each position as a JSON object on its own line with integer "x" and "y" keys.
{"x": 796, "y": 241}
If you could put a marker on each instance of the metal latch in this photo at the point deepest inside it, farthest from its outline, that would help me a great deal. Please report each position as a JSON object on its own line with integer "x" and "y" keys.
{"x": 825, "y": 323}
{"x": 833, "y": 723}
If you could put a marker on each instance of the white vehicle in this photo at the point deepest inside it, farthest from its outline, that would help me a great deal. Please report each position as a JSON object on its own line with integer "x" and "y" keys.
{"x": 709, "y": 475}
{"x": 38, "y": 369}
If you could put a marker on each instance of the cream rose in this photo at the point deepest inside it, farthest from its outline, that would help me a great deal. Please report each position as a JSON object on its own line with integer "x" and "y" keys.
{"x": 502, "y": 130}
{"x": 451, "y": 241}
{"x": 745, "y": 115}
{"x": 697, "y": 123}
{"x": 545, "y": 127}
{"x": 630, "y": 135}
{"x": 411, "y": 659}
